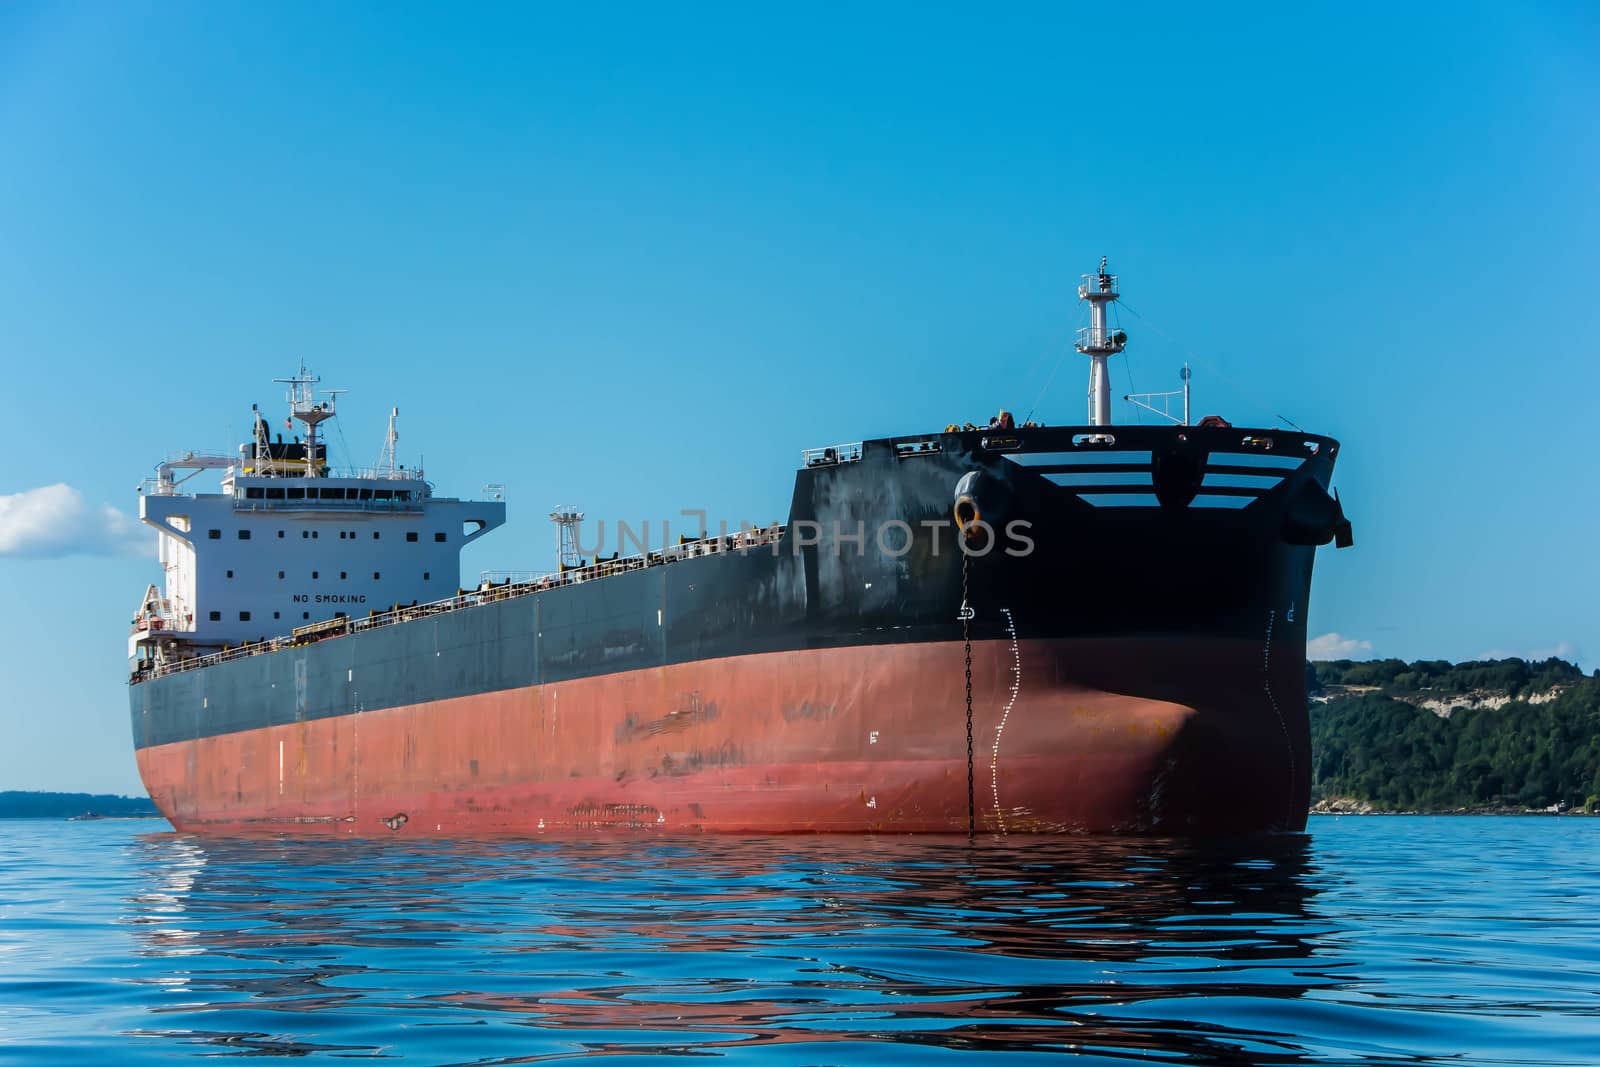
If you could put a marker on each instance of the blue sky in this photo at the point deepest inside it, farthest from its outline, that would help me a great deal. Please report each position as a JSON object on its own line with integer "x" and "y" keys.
{"x": 636, "y": 259}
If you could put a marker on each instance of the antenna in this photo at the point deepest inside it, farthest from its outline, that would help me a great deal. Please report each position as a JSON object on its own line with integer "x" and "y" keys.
{"x": 1148, "y": 400}
{"x": 304, "y": 406}
{"x": 261, "y": 451}
{"x": 566, "y": 517}
{"x": 1095, "y": 342}
{"x": 386, "y": 457}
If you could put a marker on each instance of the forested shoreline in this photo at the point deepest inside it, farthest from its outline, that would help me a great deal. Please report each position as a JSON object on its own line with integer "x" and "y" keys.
{"x": 1494, "y": 735}
{"x": 18, "y": 804}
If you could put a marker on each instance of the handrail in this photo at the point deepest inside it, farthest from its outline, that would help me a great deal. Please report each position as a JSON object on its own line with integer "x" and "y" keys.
{"x": 487, "y": 593}
{"x": 297, "y": 468}
{"x": 829, "y": 455}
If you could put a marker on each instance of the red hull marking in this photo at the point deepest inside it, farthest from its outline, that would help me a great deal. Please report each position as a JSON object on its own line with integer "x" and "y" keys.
{"x": 869, "y": 738}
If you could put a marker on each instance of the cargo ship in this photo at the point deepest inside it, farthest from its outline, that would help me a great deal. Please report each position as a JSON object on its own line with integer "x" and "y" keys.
{"x": 1012, "y": 628}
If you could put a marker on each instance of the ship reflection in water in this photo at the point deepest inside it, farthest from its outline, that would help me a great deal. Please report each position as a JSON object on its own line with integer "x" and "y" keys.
{"x": 516, "y": 952}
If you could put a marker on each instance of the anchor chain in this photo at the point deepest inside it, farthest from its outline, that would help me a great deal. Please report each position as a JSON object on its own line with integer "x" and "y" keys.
{"x": 966, "y": 640}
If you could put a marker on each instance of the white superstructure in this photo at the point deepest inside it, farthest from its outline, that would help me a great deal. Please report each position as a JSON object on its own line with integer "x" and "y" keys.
{"x": 289, "y": 541}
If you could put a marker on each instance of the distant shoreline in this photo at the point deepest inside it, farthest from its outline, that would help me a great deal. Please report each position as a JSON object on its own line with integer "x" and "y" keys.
{"x": 42, "y": 804}
{"x": 1318, "y": 810}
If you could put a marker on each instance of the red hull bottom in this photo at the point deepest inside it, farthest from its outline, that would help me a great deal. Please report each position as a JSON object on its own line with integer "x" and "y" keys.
{"x": 864, "y": 739}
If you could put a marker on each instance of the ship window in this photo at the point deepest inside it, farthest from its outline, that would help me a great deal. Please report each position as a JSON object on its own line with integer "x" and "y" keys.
{"x": 254, "y": 493}
{"x": 313, "y": 574}
{"x": 244, "y": 535}
{"x": 274, "y": 614}
{"x": 374, "y": 535}
{"x": 305, "y": 533}
{"x": 215, "y": 535}
{"x": 230, "y": 574}
{"x": 216, "y": 616}
{"x": 296, "y": 494}
{"x": 439, "y": 536}
{"x": 280, "y": 535}
{"x": 411, "y": 535}
{"x": 315, "y": 534}
{"x": 280, "y": 576}
{"x": 341, "y": 535}
{"x": 305, "y": 614}
{"x": 352, "y": 535}
{"x": 244, "y": 616}
{"x": 426, "y": 576}
{"x": 274, "y": 494}
{"x": 374, "y": 575}
{"x": 333, "y": 494}
{"x": 343, "y": 576}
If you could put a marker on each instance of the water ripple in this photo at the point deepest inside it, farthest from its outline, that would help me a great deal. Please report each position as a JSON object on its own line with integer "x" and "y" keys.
{"x": 1413, "y": 941}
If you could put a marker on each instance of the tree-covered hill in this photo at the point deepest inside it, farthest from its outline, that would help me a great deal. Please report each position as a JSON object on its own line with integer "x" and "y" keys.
{"x": 1396, "y": 677}
{"x": 1433, "y": 735}
{"x": 20, "y": 805}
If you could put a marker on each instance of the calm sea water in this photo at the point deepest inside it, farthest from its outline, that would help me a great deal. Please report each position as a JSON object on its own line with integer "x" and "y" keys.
{"x": 1368, "y": 940}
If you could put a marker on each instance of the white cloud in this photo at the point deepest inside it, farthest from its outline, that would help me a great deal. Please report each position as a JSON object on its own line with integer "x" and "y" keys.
{"x": 54, "y": 521}
{"x": 1337, "y": 646}
{"x": 1560, "y": 650}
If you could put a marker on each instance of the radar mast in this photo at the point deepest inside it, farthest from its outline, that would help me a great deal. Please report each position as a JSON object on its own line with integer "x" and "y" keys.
{"x": 1098, "y": 343}
{"x": 304, "y": 406}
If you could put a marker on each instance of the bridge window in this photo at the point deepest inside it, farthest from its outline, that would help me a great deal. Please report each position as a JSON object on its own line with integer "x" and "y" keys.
{"x": 274, "y": 494}
{"x": 254, "y": 493}
{"x": 297, "y": 494}
{"x": 333, "y": 494}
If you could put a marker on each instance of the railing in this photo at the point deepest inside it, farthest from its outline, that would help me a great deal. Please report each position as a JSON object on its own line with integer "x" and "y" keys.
{"x": 1111, "y": 337}
{"x": 1096, "y": 283}
{"x": 918, "y": 446}
{"x": 829, "y": 455}
{"x": 399, "y": 474}
{"x": 488, "y": 593}
{"x": 511, "y": 577}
